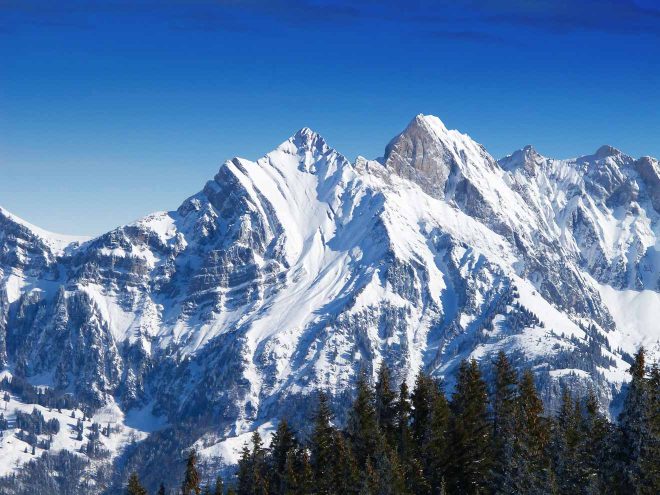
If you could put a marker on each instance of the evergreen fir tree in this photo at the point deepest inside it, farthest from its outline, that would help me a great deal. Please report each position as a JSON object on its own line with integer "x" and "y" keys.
{"x": 403, "y": 434}
{"x": 651, "y": 457}
{"x": 504, "y": 423}
{"x": 289, "y": 479}
{"x": 595, "y": 446}
{"x": 425, "y": 398}
{"x": 470, "y": 462}
{"x": 390, "y": 475}
{"x": 161, "y": 489}
{"x": 567, "y": 441}
{"x": 259, "y": 468}
{"x": 509, "y": 463}
{"x": 368, "y": 480}
{"x": 422, "y": 405}
{"x": 219, "y": 486}
{"x": 322, "y": 447}
{"x": 252, "y": 469}
{"x": 534, "y": 474}
{"x": 304, "y": 477}
{"x": 443, "y": 487}
{"x": 345, "y": 475}
{"x": 134, "y": 486}
{"x": 412, "y": 467}
{"x": 457, "y": 447}
{"x": 362, "y": 425}
{"x": 244, "y": 474}
{"x": 386, "y": 405}
{"x": 191, "y": 481}
{"x": 634, "y": 426}
{"x": 282, "y": 448}
{"x": 436, "y": 449}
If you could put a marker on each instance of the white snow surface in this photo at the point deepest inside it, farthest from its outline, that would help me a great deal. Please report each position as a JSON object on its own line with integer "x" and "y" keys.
{"x": 57, "y": 242}
{"x": 637, "y": 316}
{"x": 125, "y": 428}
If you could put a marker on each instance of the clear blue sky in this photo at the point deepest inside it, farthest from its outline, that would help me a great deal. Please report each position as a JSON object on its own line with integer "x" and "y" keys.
{"x": 112, "y": 109}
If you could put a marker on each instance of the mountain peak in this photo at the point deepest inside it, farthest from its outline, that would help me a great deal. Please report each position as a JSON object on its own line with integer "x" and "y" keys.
{"x": 309, "y": 140}
{"x": 306, "y": 133}
{"x": 606, "y": 151}
{"x": 430, "y": 121}
{"x": 420, "y": 154}
{"x": 526, "y": 158}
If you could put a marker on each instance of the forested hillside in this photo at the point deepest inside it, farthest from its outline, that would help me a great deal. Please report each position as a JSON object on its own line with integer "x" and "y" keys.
{"x": 481, "y": 440}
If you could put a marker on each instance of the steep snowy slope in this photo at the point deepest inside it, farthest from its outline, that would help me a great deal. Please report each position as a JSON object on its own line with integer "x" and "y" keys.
{"x": 291, "y": 273}
{"x": 601, "y": 207}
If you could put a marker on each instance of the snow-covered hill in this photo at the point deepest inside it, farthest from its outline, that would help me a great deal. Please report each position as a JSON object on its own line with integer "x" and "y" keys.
{"x": 292, "y": 273}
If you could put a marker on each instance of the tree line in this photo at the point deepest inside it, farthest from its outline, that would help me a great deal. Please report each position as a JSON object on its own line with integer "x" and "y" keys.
{"x": 478, "y": 441}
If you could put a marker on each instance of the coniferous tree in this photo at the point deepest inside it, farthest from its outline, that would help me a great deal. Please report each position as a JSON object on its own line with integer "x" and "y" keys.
{"x": 402, "y": 422}
{"x": 291, "y": 480}
{"x": 252, "y": 468}
{"x": 535, "y": 475}
{"x": 390, "y": 474}
{"x": 412, "y": 467}
{"x": 506, "y": 468}
{"x": 259, "y": 467}
{"x": 651, "y": 458}
{"x": 595, "y": 446}
{"x": 322, "y": 447}
{"x": 422, "y": 397}
{"x": 219, "y": 486}
{"x": 191, "y": 481}
{"x": 380, "y": 466}
{"x": 283, "y": 447}
{"x": 161, "y": 489}
{"x": 134, "y": 486}
{"x": 470, "y": 463}
{"x": 245, "y": 484}
{"x": 634, "y": 428}
{"x": 436, "y": 449}
{"x": 639, "y": 431}
{"x": 345, "y": 476}
{"x": 368, "y": 479}
{"x": 568, "y": 463}
{"x": 386, "y": 405}
{"x": 304, "y": 477}
{"x": 362, "y": 425}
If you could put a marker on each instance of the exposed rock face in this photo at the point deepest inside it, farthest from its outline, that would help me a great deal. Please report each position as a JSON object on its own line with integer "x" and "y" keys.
{"x": 649, "y": 171}
{"x": 419, "y": 155}
{"x": 291, "y": 273}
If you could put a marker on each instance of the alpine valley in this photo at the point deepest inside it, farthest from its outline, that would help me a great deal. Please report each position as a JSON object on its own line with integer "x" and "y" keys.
{"x": 291, "y": 274}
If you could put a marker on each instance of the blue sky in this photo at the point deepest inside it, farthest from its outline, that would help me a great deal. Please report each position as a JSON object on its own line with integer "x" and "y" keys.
{"x": 112, "y": 109}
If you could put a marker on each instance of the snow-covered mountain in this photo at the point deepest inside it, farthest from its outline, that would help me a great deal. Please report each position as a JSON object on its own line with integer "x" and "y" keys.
{"x": 292, "y": 273}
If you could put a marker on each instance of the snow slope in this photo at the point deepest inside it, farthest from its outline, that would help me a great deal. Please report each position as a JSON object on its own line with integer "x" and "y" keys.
{"x": 14, "y": 452}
